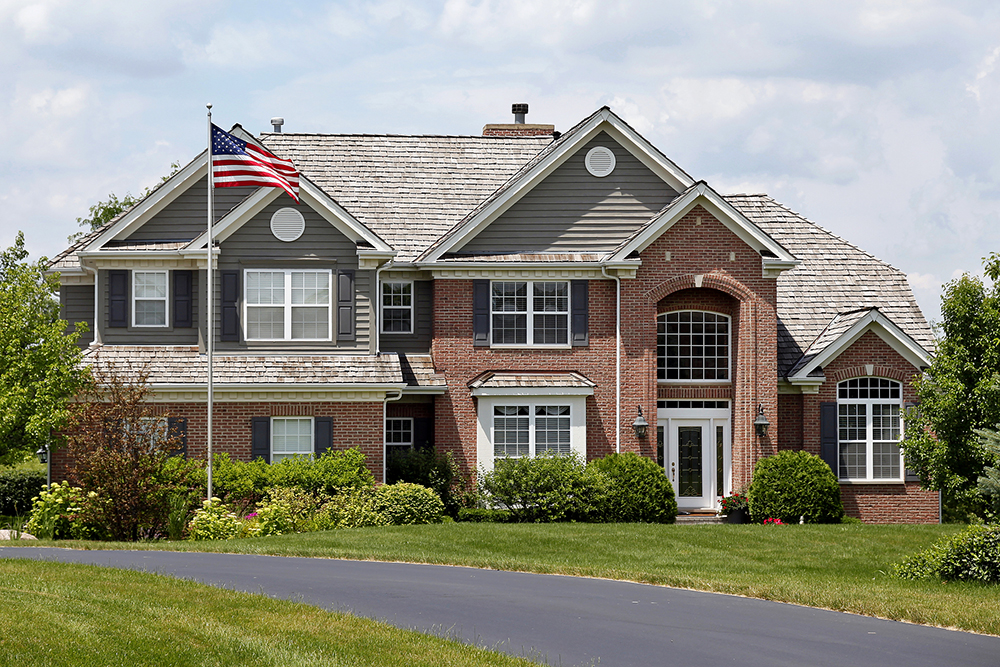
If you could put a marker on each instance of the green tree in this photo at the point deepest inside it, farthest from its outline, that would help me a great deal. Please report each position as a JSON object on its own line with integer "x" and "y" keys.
{"x": 39, "y": 360}
{"x": 959, "y": 394}
{"x": 989, "y": 482}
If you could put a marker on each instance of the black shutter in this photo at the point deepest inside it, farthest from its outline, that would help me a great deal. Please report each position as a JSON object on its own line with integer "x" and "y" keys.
{"x": 580, "y": 312}
{"x": 345, "y": 305}
{"x": 909, "y": 475}
{"x": 828, "y": 441}
{"x": 118, "y": 299}
{"x": 322, "y": 434}
{"x": 423, "y": 432}
{"x": 230, "y": 312}
{"x": 480, "y": 312}
{"x": 177, "y": 427}
{"x": 182, "y": 299}
{"x": 260, "y": 447}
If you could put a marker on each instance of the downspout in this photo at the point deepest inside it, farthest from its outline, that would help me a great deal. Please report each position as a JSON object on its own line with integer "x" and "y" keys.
{"x": 97, "y": 295}
{"x": 618, "y": 358}
{"x": 386, "y": 399}
{"x": 378, "y": 307}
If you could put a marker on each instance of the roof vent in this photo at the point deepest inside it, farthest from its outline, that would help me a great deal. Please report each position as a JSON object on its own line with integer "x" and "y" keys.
{"x": 600, "y": 161}
{"x": 287, "y": 224}
{"x": 277, "y": 122}
{"x": 519, "y": 111}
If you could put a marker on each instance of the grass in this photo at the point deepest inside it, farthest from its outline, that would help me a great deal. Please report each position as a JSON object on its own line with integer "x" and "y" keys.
{"x": 65, "y": 614}
{"x": 842, "y": 567}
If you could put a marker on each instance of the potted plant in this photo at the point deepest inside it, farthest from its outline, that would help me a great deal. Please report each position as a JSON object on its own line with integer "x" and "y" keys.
{"x": 736, "y": 508}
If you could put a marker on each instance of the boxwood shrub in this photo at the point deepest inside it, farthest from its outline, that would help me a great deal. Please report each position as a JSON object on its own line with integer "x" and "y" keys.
{"x": 638, "y": 490}
{"x": 17, "y": 488}
{"x": 794, "y": 484}
{"x": 549, "y": 487}
{"x": 406, "y": 504}
{"x": 971, "y": 555}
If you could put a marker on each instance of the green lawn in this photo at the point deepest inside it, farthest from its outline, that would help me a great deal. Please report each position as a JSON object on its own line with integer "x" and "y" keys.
{"x": 842, "y": 567}
{"x": 63, "y": 614}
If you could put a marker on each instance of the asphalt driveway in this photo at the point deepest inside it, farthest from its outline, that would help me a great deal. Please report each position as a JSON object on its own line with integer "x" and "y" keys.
{"x": 566, "y": 620}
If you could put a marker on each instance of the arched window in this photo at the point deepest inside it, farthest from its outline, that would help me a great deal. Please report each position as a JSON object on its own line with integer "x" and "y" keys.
{"x": 692, "y": 345}
{"x": 868, "y": 429}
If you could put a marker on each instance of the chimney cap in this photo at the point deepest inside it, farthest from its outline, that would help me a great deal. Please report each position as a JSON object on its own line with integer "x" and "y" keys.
{"x": 277, "y": 122}
{"x": 518, "y": 108}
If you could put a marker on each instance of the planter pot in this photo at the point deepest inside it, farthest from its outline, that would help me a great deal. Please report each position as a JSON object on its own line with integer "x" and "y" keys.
{"x": 740, "y": 515}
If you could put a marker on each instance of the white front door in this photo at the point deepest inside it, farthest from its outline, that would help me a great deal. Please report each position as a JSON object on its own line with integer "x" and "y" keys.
{"x": 697, "y": 459}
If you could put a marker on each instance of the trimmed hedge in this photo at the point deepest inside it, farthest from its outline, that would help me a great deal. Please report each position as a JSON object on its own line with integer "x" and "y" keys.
{"x": 793, "y": 484}
{"x": 17, "y": 488}
{"x": 550, "y": 487}
{"x": 638, "y": 490}
{"x": 406, "y": 504}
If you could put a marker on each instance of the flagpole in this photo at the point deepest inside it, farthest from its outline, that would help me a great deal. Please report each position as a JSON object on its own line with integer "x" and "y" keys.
{"x": 210, "y": 319}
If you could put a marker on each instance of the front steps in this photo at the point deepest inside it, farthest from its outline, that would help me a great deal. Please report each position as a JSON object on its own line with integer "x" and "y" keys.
{"x": 697, "y": 518}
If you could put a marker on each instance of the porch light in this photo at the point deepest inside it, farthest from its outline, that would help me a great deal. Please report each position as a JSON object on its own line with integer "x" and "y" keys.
{"x": 43, "y": 454}
{"x": 640, "y": 425}
{"x": 760, "y": 424}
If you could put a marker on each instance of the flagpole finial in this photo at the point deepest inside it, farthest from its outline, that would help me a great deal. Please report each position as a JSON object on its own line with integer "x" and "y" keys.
{"x": 209, "y": 105}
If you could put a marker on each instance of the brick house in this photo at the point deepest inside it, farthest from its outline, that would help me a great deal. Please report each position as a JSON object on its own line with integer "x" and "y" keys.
{"x": 507, "y": 294}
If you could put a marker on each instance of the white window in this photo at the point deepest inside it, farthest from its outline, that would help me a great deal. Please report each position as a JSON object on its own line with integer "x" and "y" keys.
{"x": 397, "y": 307}
{"x": 692, "y": 346}
{"x": 529, "y": 430}
{"x": 529, "y": 313}
{"x": 869, "y": 427}
{"x": 149, "y": 298}
{"x": 398, "y": 435}
{"x": 288, "y": 305}
{"x": 148, "y": 432}
{"x": 291, "y": 436}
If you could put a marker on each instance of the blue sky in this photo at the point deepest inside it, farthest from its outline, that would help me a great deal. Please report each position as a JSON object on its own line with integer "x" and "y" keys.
{"x": 878, "y": 120}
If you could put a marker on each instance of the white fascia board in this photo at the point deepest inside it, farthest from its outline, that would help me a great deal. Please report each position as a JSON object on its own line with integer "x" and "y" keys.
{"x": 735, "y": 221}
{"x": 533, "y": 391}
{"x": 128, "y": 254}
{"x": 283, "y": 386}
{"x": 605, "y": 120}
{"x": 884, "y": 328}
{"x": 156, "y": 202}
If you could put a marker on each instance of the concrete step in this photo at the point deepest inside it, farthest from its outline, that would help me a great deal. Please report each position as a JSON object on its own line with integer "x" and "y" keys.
{"x": 693, "y": 518}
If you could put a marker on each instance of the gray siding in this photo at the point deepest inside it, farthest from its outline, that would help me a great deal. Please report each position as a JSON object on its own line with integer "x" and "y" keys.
{"x": 321, "y": 246}
{"x": 572, "y": 211}
{"x": 149, "y": 335}
{"x": 184, "y": 218}
{"x": 418, "y": 342}
{"x": 77, "y": 305}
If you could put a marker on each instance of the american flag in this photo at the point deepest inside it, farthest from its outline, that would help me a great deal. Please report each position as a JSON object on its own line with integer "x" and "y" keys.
{"x": 236, "y": 162}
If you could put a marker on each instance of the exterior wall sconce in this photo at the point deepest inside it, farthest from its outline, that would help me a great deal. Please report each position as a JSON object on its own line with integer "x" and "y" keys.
{"x": 640, "y": 425}
{"x": 761, "y": 424}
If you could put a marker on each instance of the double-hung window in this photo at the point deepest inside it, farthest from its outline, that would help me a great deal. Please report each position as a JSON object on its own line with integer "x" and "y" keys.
{"x": 529, "y": 312}
{"x": 149, "y": 298}
{"x": 288, "y": 305}
{"x": 869, "y": 427}
{"x": 529, "y": 430}
{"x": 692, "y": 345}
{"x": 291, "y": 436}
{"x": 397, "y": 307}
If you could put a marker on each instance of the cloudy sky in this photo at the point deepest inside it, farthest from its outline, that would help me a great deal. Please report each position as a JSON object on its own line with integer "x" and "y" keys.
{"x": 878, "y": 120}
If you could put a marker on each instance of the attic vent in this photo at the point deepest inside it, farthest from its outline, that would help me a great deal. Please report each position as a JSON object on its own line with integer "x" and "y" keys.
{"x": 600, "y": 161}
{"x": 287, "y": 224}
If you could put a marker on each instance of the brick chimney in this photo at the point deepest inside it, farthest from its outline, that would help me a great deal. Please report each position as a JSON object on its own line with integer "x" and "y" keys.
{"x": 518, "y": 128}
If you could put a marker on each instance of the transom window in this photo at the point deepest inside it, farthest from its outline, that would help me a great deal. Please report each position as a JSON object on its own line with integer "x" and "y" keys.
{"x": 291, "y": 436}
{"x": 869, "y": 428}
{"x": 149, "y": 298}
{"x": 397, "y": 307}
{"x": 525, "y": 430}
{"x": 692, "y": 345}
{"x": 530, "y": 312}
{"x": 288, "y": 305}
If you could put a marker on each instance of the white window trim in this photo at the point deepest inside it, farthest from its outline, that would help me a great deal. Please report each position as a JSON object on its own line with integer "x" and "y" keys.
{"x": 869, "y": 441}
{"x": 288, "y": 307}
{"x": 312, "y": 438}
{"x": 530, "y": 315}
{"x": 729, "y": 347}
{"x": 577, "y": 423}
{"x": 384, "y": 307}
{"x": 385, "y": 432}
{"x": 165, "y": 299}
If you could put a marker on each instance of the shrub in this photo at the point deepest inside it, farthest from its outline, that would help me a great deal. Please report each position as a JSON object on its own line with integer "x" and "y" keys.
{"x": 638, "y": 490}
{"x": 405, "y": 504}
{"x": 56, "y": 514}
{"x": 971, "y": 555}
{"x": 353, "y": 508}
{"x": 327, "y": 474}
{"x": 17, "y": 488}
{"x": 437, "y": 471}
{"x": 239, "y": 483}
{"x": 483, "y": 515}
{"x": 795, "y": 484}
{"x": 291, "y": 510}
{"x": 549, "y": 487}
{"x": 214, "y": 521}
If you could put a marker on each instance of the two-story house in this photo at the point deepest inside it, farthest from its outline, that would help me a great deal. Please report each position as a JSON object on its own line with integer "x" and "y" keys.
{"x": 508, "y": 294}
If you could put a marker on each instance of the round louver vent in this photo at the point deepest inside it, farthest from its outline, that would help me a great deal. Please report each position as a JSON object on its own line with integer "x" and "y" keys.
{"x": 600, "y": 161}
{"x": 287, "y": 224}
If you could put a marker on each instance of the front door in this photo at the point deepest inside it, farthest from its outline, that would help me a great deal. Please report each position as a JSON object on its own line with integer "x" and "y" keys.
{"x": 696, "y": 460}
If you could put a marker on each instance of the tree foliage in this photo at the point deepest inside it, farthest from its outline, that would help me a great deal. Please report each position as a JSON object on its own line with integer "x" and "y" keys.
{"x": 39, "y": 361}
{"x": 959, "y": 394}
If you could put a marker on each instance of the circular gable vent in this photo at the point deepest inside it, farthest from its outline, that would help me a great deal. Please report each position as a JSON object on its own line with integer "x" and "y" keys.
{"x": 287, "y": 224}
{"x": 600, "y": 161}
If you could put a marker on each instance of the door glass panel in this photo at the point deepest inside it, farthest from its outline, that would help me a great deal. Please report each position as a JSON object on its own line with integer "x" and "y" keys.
{"x": 689, "y": 474}
{"x": 718, "y": 461}
{"x": 659, "y": 446}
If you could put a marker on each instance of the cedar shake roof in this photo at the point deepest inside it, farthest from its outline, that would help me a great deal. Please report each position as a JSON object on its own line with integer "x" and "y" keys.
{"x": 835, "y": 280}
{"x": 515, "y": 379}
